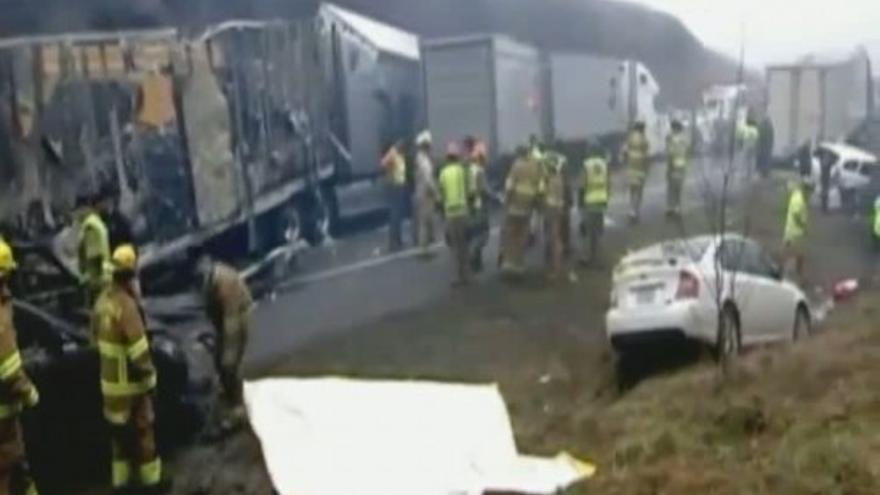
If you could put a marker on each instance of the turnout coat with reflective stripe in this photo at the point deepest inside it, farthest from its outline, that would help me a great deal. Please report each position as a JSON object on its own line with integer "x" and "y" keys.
{"x": 126, "y": 366}
{"x": 16, "y": 389}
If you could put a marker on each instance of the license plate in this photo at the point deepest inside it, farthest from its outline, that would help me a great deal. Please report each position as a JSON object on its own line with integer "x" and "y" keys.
{"x": 645, "y": 296}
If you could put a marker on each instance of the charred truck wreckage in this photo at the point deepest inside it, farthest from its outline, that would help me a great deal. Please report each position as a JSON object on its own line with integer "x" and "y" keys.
{"x": 218, "y": 139}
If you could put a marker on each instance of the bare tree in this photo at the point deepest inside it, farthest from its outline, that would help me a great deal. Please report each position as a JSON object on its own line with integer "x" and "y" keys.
{"x": 727, "y": 197}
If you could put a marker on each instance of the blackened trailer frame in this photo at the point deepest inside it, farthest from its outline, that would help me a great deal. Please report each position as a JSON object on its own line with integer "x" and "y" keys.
{"x": 286, "y": 60}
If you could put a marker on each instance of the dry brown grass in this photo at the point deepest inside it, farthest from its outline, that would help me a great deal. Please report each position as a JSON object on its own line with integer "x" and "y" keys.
{"x": 803, "y": 419}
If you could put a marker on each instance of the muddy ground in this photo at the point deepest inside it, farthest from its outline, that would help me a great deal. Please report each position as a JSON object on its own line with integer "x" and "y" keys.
{"x": 544, "y": 345}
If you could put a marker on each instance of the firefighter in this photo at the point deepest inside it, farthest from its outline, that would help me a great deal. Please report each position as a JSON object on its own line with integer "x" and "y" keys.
{"x": 635, "y": 155}
{"x": 558, "y": 160}
{"x": 453, "y": 188}
{"x": 594, "y": 195}
{"x": 796, "y": 225}
{"x": 228, "y": 303}
{"x": 676, "y": 168}
{"x": 522, "y": 192}
{"x": 128, "y": 380}
{"x": 480, "y": 195}
{"x": 748, "y": 136}
{"x": 556, "y": 201}
{"x": 394, "y": 164}
{"x": 93, "y": 242}
{"x": 18, "y": 394}
{"x": 875, "y": 225}
{"x": 425, "y": 193}
{"x": 536, "y": 151}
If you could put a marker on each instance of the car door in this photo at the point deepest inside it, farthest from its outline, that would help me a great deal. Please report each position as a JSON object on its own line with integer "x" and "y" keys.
{"x": 740, "y": 286}
{"x": 849, "y": 174}
{"x": 773, "y": 303}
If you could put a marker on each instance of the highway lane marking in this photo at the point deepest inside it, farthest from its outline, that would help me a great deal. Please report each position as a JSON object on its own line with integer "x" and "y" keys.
{"x": 372, "y": 262}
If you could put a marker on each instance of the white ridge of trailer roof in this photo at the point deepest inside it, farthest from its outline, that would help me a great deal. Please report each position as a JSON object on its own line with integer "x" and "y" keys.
{"x": 384, "y": 37}
{"x": 89, "y": 37}
{"x": 822, "y": 59}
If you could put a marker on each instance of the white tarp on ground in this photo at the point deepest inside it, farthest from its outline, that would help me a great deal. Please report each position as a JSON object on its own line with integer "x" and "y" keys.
{"x": 335, "y": 436}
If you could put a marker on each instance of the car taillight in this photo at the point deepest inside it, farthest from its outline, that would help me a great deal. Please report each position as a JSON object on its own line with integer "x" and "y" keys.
{"x": 688, "y": 286}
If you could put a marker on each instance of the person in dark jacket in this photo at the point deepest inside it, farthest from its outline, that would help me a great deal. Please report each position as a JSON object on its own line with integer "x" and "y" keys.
{"x": 119, "y": 229}
{"x": 805, "y": 159}
{"x": 766, "y": 140}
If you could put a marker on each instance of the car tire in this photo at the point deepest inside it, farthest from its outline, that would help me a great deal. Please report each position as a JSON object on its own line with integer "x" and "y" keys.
{"x": 729, "y": 338}
{"x": 803, "y": 324}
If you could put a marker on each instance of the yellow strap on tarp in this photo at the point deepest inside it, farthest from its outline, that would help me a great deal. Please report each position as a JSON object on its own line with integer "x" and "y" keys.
{"x": 583, "y": 468}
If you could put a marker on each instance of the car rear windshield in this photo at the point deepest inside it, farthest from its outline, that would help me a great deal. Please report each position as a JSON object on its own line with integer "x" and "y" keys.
{"x": 692, "y": 249}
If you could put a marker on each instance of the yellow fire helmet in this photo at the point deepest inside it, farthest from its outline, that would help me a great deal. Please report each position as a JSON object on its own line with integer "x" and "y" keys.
{"x": 124, "y": 258}
{"x": 7, "y": 261}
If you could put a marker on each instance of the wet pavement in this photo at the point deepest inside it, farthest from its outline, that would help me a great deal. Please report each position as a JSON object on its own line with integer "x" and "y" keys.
{"x": 353, "y": 281}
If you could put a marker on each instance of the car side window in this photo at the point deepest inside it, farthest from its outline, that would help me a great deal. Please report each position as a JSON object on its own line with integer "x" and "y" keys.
{"x": 731, "y": 256}
{"x": 757, "y": 262}
{"x": 851, "y": 165}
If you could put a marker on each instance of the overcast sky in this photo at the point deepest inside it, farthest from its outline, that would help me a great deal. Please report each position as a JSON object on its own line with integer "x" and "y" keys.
{"x": 780, "y": 30}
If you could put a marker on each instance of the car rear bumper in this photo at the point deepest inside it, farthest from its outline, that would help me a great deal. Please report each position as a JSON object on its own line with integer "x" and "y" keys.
{"x": 631, "y": 328}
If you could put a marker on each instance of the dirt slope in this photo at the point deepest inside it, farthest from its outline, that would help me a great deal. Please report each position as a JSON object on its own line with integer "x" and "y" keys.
{"x": 782, "y": 421}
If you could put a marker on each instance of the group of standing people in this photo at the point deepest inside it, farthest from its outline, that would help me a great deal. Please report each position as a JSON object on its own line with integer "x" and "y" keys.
{"x": 540, "y": 188}
{"x": 539, "y": 185}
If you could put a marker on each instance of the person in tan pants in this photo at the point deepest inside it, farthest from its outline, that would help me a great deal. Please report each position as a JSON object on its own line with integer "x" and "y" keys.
{"x": 426, "y": 195}
{"x": 522, "y": 192}
{"x": 454, "y": 193}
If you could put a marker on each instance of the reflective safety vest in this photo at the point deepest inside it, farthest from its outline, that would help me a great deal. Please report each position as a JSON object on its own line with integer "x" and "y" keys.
{"x": 636, "y": 152}
{"x": 636, "y": 149}
{"x": 94, "y": 244}
{"x": 596, "y": 188}
{"x": 677, "y": 151}
{"x": 877, "y": 218}
{"x": 126, "y": 366}
{"x": 20, "y": 391}
{"x": 796, "y": 217}
{"x": 748, "y": 134}
{"x": 395, "y": 165}
{"x": 454, "y": 190}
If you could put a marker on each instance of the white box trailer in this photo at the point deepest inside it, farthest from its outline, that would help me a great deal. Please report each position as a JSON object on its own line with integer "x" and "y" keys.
{"x": 488, "y": 86}
{"x": 818, "y": 98}
{"x": 597, "y": 97}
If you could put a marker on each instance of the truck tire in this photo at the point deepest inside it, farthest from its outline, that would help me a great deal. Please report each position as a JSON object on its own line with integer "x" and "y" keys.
{"x": 316, "y": 217}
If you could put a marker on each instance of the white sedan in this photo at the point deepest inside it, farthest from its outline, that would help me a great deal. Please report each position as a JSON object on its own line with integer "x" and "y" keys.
{"x": 722, "y": 291}
{"x": 850, "y": 167}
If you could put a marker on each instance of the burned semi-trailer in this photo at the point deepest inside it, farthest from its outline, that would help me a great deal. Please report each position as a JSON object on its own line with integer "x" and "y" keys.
{"x": 214, "y": 139}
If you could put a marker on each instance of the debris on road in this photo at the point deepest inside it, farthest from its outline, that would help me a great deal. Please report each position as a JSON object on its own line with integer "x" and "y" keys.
{"x": 396, "y": 437}
{"x": 845, "y": 289}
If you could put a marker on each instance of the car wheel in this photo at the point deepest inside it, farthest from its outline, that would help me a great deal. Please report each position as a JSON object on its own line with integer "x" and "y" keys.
{"x": 803, "y": 325}
{"x": 729, "y": 338}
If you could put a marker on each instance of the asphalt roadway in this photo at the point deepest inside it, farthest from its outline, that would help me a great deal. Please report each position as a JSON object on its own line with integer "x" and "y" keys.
{"x": 352, "y": 281}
